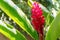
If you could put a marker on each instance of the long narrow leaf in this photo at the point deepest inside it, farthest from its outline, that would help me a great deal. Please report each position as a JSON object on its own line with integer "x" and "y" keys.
{"x": 48, "y": 17}
{"x": 18, "y": 16}
{"x": 46, "y": 13}
{"x": 10, "y": 33}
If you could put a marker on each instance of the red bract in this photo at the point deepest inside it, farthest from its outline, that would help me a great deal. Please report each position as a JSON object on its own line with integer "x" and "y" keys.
{"x": 37, "y": 18}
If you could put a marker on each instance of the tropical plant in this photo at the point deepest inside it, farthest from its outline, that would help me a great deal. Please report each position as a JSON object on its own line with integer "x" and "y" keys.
{"x": 19, "y": 19}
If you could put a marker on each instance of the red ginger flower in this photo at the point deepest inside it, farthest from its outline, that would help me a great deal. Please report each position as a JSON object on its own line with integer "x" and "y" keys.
{"x": 37, "y": 18}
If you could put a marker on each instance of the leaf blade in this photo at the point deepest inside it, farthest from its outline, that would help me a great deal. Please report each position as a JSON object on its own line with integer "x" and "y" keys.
{"x": 18, "y": 16}
{"x": 10, "y": 33}
{"x": 53, "y": 32}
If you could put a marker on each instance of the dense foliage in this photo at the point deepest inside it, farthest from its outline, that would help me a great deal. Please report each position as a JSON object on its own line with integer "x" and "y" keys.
{"x": 29, "y": 19}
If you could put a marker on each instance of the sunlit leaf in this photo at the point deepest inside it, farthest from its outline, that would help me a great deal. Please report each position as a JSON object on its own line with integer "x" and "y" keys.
{"x": 18, "y": 16}
{"x": 10, "y": 32}
{"x": 54, "y": 30}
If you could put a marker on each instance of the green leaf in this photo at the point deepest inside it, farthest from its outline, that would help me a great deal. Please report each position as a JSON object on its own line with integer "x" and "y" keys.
{"x": 18, "y": 16}
{"x": 48, "y": 17}
{"x": 45, "y": 10}
{"x": 25, "y": 8}
{"x": 10, "y": 33}
{"x": 54, "y": 30}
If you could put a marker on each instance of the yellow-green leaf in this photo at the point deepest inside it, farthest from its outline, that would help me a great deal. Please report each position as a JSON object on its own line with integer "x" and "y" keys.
{"x": 10, "y": 33}
{"x": 18, "y": 16}
{"x": 54, "y": 30}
